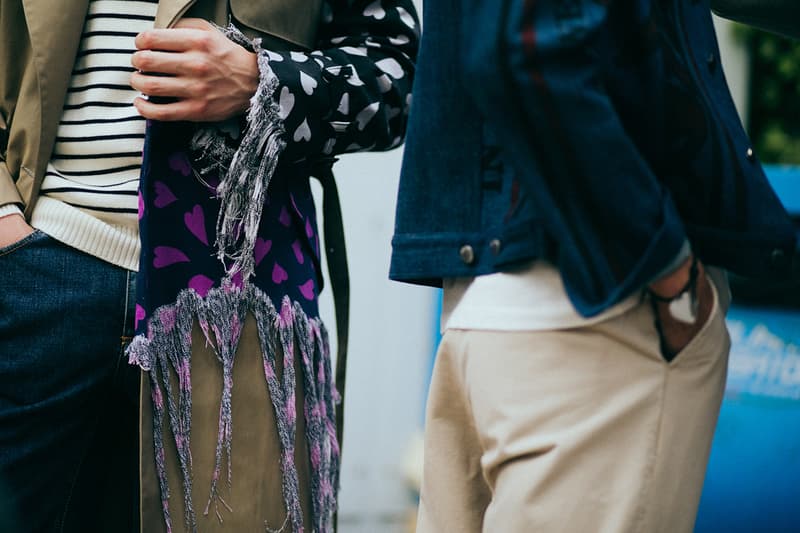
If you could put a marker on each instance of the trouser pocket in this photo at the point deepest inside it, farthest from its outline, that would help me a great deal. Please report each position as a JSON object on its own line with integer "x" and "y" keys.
{"x": 34, "y": 237}
{"x": 705, "y": 343}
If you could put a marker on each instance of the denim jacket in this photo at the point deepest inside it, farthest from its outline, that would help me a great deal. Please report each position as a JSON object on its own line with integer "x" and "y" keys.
{"x": 600, "y": 136}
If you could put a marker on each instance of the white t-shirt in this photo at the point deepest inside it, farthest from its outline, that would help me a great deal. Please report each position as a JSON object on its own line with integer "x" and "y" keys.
{"x": 532, "y": 299}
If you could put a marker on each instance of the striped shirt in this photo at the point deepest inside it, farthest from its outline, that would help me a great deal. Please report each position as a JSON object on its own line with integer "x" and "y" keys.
{"x": 89, "y": 194}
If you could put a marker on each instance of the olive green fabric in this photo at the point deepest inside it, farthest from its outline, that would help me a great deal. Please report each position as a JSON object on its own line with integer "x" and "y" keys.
{"x": 279, "y": 19}
{"x": 37, "y": 52}
{"x": 256, "y": 495}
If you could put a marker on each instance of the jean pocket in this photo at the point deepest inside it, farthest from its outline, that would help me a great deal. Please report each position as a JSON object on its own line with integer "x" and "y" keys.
{"x": 36, "y": 236}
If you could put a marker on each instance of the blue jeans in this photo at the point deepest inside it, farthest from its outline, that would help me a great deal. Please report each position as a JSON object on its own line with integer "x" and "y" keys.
{"x": 68, "y": 399}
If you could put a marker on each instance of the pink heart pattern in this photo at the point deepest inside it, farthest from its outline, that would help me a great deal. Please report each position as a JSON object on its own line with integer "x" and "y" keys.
{"x": 281, "y": 252}
{"x": 164, "y": 256}
{"x": 138, "y": 315}
{"x": 164, "y": 196}
{"x": 180, "y": 205}
{"x": 179, "y": 162}
{"x": 279, "y": 274}
{"x": 201, "y": 284}
{"x": 297, "y": 248}
{"x": 195, "y": 220}
{"x": 237, "y": 281}
{"x": 179, "y": 222}
{"x": 307, "y": 290}
{"x": 261, "y": 249}
{"x": 285, "y": 219}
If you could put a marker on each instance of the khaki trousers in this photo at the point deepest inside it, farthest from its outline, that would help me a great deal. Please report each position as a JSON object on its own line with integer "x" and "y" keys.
{"x": 582, "y": 431}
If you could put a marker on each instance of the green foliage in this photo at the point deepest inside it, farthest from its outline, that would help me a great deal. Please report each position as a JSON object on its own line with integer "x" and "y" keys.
{"x": 774, "y": 95}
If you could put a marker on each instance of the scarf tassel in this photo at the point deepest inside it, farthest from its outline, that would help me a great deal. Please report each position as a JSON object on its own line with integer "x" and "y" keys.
{"x": 287, "y": 331}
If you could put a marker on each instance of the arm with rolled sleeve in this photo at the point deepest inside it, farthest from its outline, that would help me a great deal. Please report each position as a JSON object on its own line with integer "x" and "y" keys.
{"x": 615, "y": 224}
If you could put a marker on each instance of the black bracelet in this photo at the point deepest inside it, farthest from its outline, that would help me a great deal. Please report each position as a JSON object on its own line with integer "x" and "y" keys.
{"x": 690, "y": 284}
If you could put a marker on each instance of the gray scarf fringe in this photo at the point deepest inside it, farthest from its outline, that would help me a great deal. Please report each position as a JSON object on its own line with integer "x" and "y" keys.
{"x": 166, "y": 352}
{"x": 245, "y": 173}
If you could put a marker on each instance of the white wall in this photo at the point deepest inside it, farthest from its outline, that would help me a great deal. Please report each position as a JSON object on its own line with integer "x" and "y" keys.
{"x": 392, "y": 334}
{"x": 736, "y": 63}
{"x": 391, "y": 343}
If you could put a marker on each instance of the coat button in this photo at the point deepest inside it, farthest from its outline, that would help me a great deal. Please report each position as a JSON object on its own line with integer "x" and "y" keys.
{"x": 467, "y": 254}
{"x": 495, "y": 246}
{"x": 751, "y": 155}
{"x": 711, "y": 60}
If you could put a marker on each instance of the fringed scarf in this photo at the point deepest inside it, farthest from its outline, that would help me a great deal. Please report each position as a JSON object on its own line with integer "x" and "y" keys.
{"x": 222, "y": 239}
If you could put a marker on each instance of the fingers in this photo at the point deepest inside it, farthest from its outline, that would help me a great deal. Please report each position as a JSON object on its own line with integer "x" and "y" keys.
{"x": 171, "y": 63}
{"x": 161, "y": 62}
{"x": 193, "y": 110}
{"x": 197, "y": 69}
{"x": 166, "y": 86}
{"x": 174, "y": 39}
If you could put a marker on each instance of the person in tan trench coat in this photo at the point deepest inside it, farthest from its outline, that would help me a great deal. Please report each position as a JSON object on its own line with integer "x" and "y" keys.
{"x": 87, "y": 441}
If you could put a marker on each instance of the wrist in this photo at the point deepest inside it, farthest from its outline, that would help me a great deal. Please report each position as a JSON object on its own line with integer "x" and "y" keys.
{"x": 13, "y": 228}
{"x": 250, "y": 77}
{"x": 12, "y": 222}
{"x": 673, "y": 284}
{"x": 682, "y": 305}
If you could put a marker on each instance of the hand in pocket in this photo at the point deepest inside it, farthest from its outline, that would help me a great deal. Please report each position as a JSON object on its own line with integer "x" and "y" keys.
{"x": 676, "y": 334}
{"x": 13, "y": 229}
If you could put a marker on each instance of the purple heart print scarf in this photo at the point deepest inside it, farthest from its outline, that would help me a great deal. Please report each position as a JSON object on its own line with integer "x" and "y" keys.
{"x": 227, "y": 232}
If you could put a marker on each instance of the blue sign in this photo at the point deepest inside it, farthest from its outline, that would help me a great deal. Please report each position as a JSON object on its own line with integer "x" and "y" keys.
{"x": 753, "y": 478}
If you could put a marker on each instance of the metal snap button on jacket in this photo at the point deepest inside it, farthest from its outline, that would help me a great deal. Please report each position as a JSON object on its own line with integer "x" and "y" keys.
{"x": 467, "y": 254}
